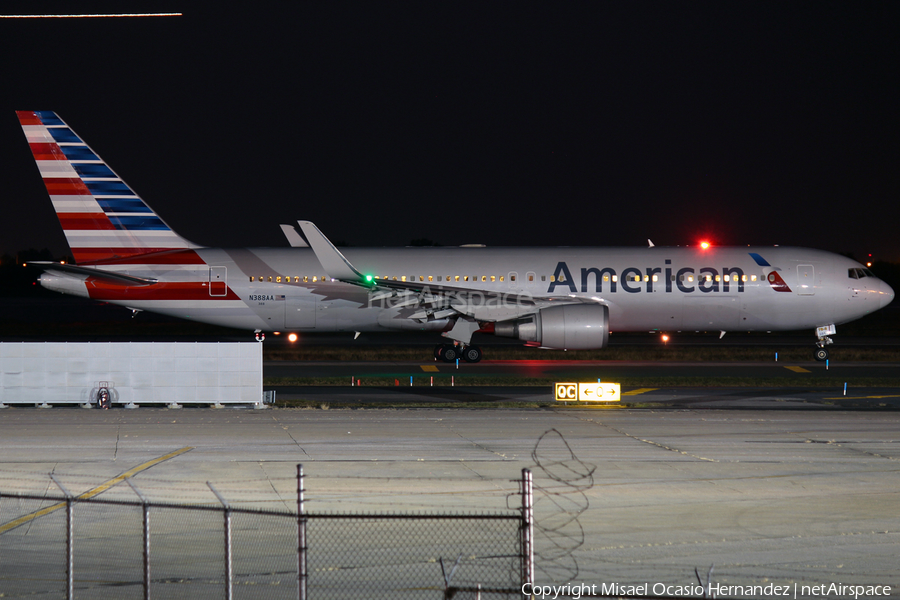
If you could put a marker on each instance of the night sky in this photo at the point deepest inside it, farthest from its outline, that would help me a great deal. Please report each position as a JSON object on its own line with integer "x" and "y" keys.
{"x": 503, "y": 123}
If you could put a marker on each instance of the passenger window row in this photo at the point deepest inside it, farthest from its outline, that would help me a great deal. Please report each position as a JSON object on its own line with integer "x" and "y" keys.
{"x": 853, "y": 273}
{"x": 726, "y": 278}
{"x": 451, "y": 278}
{"x": 287, "y": 279}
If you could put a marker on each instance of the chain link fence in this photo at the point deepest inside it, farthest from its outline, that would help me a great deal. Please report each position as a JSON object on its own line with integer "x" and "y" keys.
{"x": 415, "y": 556}
{"x": 88, "y": 547}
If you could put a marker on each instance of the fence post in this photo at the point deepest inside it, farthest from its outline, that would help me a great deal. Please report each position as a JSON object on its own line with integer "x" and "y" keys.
{"x": 145, "y": 505}
{"x": 70, "y": 550}
{"x": 146, "y": 510}
{"x": 301, "y": 537}
{"x": 527, "y": 527}
{"x": 229, "y": 574}
{"x": 70, "y": 533}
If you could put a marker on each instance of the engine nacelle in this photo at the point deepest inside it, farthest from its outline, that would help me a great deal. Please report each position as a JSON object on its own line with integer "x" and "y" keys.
{"x": 571, "y": 326}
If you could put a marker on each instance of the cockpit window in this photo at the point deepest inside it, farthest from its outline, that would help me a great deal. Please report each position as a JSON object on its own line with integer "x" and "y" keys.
{"x": 851, "y": 273}
{"x": 859, "y": 273}
{"x": 867, "y": 273}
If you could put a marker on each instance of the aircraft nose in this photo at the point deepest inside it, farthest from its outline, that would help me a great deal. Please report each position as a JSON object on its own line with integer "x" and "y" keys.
{"x": 885, "y": 294}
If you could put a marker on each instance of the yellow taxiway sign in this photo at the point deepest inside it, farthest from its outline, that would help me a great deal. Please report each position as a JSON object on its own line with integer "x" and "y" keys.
{"x": 588, "y": 392}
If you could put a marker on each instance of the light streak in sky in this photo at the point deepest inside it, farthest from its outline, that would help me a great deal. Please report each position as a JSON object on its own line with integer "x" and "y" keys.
{"x": 90, "y": 16}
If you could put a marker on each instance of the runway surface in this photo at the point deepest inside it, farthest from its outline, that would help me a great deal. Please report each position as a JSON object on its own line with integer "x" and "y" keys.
{"x": 766, "y": 496}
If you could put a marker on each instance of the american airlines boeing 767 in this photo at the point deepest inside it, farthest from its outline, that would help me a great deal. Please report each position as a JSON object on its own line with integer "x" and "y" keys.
{"x": 547, "y": 297}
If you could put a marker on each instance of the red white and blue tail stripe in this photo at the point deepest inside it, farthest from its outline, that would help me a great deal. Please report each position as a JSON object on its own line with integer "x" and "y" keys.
{"x": 103, "y": 219}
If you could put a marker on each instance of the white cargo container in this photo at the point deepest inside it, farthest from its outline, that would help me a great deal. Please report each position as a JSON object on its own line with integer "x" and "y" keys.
{"x": 135, "y": 373}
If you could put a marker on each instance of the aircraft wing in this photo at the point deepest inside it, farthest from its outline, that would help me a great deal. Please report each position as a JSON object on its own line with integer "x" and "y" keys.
{"x": 464, "y": 292}
{"x": 484, "y": 305}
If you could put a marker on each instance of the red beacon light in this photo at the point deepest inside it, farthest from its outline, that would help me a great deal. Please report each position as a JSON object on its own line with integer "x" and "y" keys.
{"x": 704, "y": 244}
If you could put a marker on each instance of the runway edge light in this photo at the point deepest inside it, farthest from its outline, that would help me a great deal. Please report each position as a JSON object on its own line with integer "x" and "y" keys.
{"x": 587, "y": 392}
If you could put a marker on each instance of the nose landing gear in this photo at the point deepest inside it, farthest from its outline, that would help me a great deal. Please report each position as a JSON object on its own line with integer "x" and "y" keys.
{"x": 821, "y": 353}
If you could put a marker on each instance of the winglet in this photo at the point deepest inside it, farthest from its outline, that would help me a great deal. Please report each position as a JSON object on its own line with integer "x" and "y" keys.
{"x": 293, "y": 237}
{"x": 335, "y": 264}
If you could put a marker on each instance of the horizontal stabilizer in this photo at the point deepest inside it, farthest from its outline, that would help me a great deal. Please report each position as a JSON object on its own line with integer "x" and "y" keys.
{"x": 111, "y": 276}
{"x": 335, "y": 264}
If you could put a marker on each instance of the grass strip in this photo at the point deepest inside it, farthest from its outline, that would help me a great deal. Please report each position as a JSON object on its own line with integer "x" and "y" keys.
{"x": 405, "y": 404}
{"x": 632, "y": 382}
{"x": 627, "y": 353}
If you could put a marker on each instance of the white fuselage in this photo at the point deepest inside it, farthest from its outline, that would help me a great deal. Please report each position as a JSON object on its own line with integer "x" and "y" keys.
{"x": 655, "y": 288}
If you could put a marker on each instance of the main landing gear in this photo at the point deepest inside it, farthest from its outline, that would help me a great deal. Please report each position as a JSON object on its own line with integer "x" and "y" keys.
{"x": 450, "y": 353}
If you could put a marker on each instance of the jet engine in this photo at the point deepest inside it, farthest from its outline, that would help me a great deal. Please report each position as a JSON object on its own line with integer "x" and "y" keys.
{"x": 571, "y": 326}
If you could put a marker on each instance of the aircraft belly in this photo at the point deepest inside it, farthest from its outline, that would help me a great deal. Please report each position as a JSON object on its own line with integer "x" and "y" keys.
{"x": 660, "y": 312}
{"x": 227, "y": 313}
{"x": 726, "y": 313}
{"x": 269, "y": 309}
{"x": 785, "y": 312}
{"x": 711, "y": 313}
{"x": 343, "y": 315}
{"x": 300, "y": 312}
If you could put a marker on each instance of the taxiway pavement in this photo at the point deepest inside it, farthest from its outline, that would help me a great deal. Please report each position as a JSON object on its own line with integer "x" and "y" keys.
{"x": 784, "y": 496}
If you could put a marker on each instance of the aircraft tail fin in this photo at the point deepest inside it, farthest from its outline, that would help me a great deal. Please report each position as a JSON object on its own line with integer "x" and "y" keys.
{"x": 103, "y": 219}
